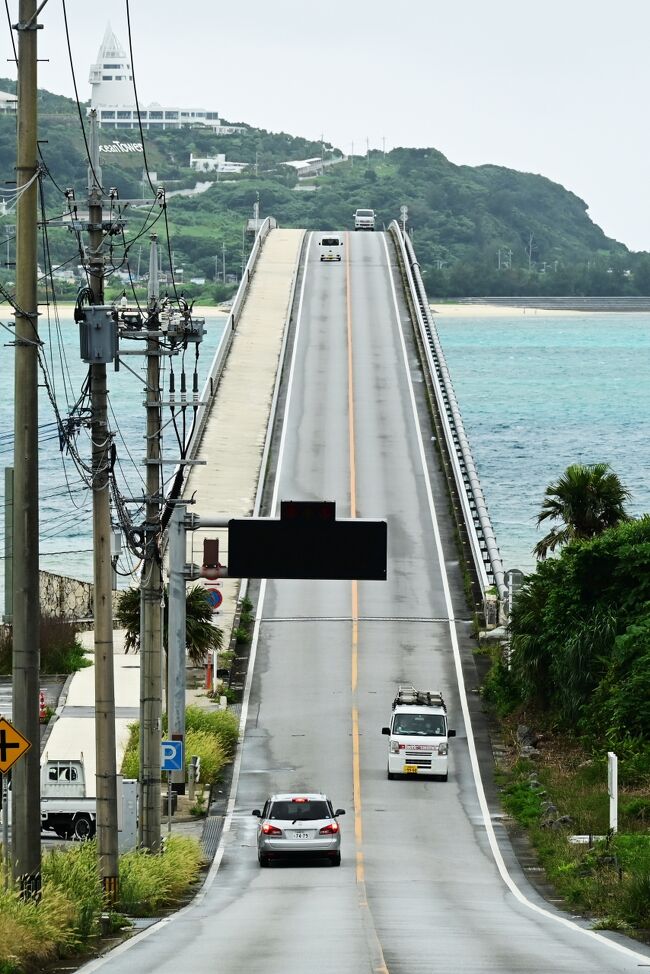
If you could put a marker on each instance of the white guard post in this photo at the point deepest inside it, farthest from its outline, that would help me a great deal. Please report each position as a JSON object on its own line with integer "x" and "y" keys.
{"x": 612, "y": 788}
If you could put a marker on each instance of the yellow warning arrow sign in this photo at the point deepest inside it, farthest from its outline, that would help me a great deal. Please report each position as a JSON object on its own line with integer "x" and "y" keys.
{"x": 12, "y": 745}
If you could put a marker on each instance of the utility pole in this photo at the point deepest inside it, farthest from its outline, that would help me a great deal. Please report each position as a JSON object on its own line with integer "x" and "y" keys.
{"x": 151, "y": 593}
{"x": 26, "y": 785}
{"x": 223, "y": 261}
{"x": 107, "y": 850}
{"x": 216, "y": 268}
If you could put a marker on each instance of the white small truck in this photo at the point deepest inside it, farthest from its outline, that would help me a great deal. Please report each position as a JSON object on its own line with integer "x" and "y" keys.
{"x": 66, "y": 807}
{"x": 418, "y": 734}
{"x": 364, "y": 219}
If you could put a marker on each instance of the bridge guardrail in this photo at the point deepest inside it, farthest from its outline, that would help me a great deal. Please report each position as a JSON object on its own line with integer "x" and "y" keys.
{"x": 221, "y": 354}
{"x": 483, "y": 544}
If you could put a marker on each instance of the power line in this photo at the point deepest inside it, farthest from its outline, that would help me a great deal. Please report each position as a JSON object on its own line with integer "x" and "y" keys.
{"x": 76, "y": 94}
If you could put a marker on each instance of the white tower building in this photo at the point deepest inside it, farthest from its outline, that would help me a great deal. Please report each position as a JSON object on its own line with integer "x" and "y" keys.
{"x": 112, "y": 95}
{"x": 111, "y": 77}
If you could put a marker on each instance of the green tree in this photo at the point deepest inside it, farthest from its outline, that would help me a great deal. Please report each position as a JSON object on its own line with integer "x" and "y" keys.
{"x": 586, "y": 500}
{"x": 200, "y": 634}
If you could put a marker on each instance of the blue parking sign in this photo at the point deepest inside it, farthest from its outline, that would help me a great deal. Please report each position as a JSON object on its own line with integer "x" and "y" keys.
{"x": 171, "y": 755}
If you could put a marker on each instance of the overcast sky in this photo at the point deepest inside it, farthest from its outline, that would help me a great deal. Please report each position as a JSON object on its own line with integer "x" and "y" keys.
{"x": 558, "y": 87}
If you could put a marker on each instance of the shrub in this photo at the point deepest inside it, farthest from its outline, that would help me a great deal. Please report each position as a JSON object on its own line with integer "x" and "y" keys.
{"x": 222, "y": 723}
{"x": 636, "y": 899}
{"x": 209, "y": 749}
{"x": 60, "y": 650}
{"x": 74, "y": 873}
{"x": 522, "y": 802}
{"x": 131, "y": 759}
{"x": 211, "y": 735}
{"x": 499, "y": 688}
{"x": 148, "y": 882}
{"x": 34, "y": 933}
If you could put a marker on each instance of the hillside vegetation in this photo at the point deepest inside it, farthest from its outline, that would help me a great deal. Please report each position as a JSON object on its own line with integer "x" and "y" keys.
{"x": 477, "y": 230}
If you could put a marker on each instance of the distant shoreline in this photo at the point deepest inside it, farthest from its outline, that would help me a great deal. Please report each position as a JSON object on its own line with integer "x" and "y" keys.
{"x": 512, "y": 307}
{"x": 489, "y": 308}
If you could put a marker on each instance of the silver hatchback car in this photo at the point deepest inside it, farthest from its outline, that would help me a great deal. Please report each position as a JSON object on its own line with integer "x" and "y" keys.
{"x": 298, "y": 825}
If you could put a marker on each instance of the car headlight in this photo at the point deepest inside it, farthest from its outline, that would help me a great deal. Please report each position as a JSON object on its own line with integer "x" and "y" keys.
{"x": 442, "y": 749}
{"x": 394, "y": 747}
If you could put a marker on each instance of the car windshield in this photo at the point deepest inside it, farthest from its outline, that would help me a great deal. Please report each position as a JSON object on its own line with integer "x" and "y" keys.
{"x": 292, "y": 811}
{"x": 365, "y": 213}
{"x": 330, "y": 241}
{"x": 419, "y": 725}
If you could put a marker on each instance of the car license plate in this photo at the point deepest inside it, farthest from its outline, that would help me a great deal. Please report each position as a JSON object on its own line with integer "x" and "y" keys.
{"x": 301, "y": 835}
{"x": 410, "y": 769}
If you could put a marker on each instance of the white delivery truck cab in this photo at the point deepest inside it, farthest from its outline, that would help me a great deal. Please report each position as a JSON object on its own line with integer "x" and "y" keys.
{"x": 418, "y": 734}
{"x": 331, "y": 247}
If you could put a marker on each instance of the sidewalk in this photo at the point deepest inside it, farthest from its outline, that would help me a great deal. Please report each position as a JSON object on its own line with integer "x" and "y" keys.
{"x": 72, "y": 733}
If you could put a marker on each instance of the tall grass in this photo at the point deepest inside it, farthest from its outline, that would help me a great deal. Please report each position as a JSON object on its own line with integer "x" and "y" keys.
{"x": 212, "y": 735}
{"x": 148, "y": 882}
{"x": 74, "y": 872}
{"x": 34, "y": 933}
{"x": 611, "y": 879}
{"x": 222, "y": 723}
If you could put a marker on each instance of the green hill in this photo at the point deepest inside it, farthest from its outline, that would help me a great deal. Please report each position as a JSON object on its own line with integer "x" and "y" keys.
{"x": 477, "y": 230}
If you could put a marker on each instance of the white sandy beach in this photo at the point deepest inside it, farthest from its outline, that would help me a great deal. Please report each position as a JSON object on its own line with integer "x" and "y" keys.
{"x": 501, "y": 311}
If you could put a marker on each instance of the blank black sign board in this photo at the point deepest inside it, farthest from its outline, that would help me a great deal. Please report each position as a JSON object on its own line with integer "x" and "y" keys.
{"x": 307, "y": 541}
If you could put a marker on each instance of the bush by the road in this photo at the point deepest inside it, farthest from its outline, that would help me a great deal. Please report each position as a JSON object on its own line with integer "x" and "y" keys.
{"x": 61, "y": 652}
{"x": 211, "y": 735}
{"x": 149, "y": 882}
{"x": 67, "y": 916}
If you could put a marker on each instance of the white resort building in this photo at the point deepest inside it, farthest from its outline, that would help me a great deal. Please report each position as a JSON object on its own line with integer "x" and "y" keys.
{"x": 8, "y": 103}
{"x": 111, "y": 79}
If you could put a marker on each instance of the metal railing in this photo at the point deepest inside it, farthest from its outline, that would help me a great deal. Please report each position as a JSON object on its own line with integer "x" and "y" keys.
{"x": 482, "y": 540}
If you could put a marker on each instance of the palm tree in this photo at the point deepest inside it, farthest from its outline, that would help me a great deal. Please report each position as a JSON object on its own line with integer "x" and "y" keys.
{"x": 200, "y": 634}
{"x": 586, "y": 500}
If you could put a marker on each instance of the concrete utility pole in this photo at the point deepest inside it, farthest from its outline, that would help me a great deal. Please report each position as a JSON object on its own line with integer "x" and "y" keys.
{"x": 223, "y": 261}
{"x": 26, "y": 785}
{"x": 107, "y": 848}
{"x": 151, "y": 593}
{"x": 9, "y": 545}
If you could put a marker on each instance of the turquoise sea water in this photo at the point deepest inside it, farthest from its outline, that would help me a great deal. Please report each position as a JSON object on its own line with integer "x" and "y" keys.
{"x": 538, "y": 393}
{"x": 66, "y": 505}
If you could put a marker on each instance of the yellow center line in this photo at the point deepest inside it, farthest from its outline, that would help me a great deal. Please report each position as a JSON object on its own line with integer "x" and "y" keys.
{"x": 378, "y": 962}
{"x": 356, "y": 774}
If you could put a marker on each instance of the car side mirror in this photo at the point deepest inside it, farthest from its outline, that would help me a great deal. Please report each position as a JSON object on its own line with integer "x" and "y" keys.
{"x": 339, "y": 811}
{"x": 385, "y": 730}
{"x": 451, "y": 733}
{"x": 256, "y": 812}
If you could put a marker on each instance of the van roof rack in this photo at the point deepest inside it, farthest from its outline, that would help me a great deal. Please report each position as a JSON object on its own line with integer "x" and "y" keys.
{"x": 407, "y": 695}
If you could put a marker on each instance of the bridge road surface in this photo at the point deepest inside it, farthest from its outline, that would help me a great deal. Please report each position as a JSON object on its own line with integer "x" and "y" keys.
{"x": 419, "y": 889}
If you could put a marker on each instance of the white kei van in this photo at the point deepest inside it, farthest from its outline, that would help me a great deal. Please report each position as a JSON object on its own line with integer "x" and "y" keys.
{"x": 419, "y": 734}
{"x": 331, "y": 247}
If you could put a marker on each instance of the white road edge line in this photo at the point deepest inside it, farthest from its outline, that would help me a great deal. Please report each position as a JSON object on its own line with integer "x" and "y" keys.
{"x": 214, "y": 868}
{"x": 478, "y": 781}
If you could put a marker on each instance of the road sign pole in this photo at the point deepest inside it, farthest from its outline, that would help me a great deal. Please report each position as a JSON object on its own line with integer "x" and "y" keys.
{"x": 169, "y": 803}
{"x": 6, "y": 856}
